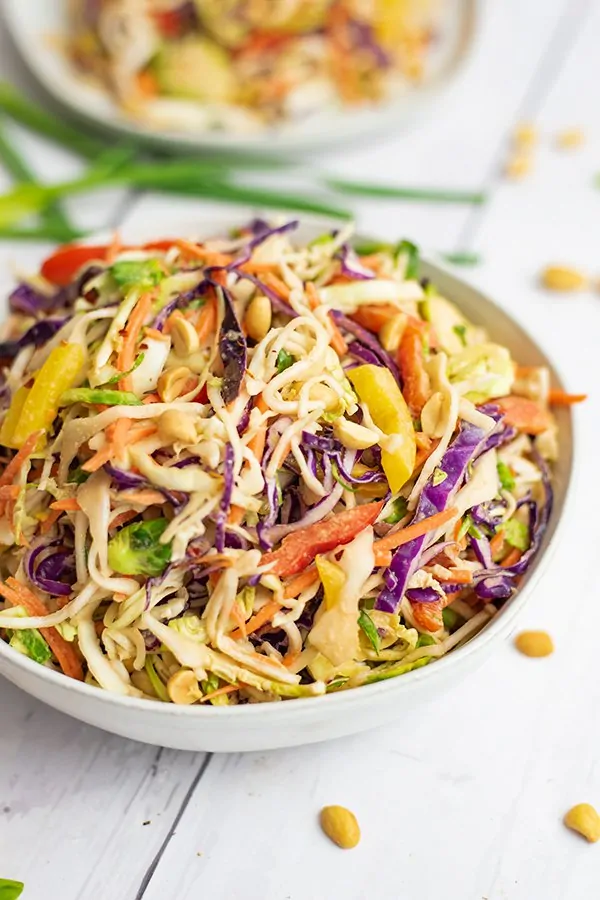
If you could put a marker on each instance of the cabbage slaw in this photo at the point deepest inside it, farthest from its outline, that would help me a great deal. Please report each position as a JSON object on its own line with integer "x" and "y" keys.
{"x": 203, "y": 505}
{"x": 243, "y": 65}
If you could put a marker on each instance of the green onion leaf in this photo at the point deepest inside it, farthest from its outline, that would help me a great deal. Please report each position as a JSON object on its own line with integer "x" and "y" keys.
{"x": 398, "y": 511}
{"x": 142, "y": 273}
{"x": 425, "y": 640}
{"x": 10, "y": 890}
{"x": 97, "y": 395}
{"x": 461, "y": 332}
{"x": 410, "y": 252}
{"x": 506, "y": 477}
{"x": 516, "y": 534}
{"x": 439, "y": 476}
{"x": 368, "y": 627}
{"x": 450, "y": 618}
{"x": 462, "y": 259}
{"x": 156, "y": 682}
{"x": 393, "y": 192}
{"x": 284, "y": 361}
{"x": 138, "y": 361}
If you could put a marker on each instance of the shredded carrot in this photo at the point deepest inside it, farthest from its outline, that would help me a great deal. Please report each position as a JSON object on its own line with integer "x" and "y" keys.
{"x": 383, "y": 558}
{"x": 50, "y": 520}
{"x": 236, "y": 514}
{"x": 423, "y": 454}
{"x": 151, "y": 398}
{"x": 18, "y": 460}
{"x": 279, "y": 286}
{"x": 561, "y": 398}
{"x": 126, "y": 357}
{"x": 301, "y": 582}
{"x": 432, "y": 523}
{"x": 208, "y": 256}
{"x": 228, "y": 689}
{"x": 290, "y": 658}
{"x": 69, "y": 504}
{"x": 257, "y": 442}
{"x": 9, "y": 491}
{"x": 100, "y": 458}
{"x": 119, "y": 435}
{"x": 460, "y": 576}
{"x": 416, "y": 386}
{"x": 142, "y": 498}
{"x": 139, "y": 433}
{"x": 147, "y": 84}
{"x": 216, "y": 559}
{"x": 207, "y": 320}
{"x": 371, "y": 262}
{"x": 18, "y": 595}
{"x": 312, "y": 295}
{"x": 258, "y": 268}
{"x": 114, "y": 248}
{"x": 261, "y": 618}
{"x": 457, "y": 528}
{"x": 123, "y": 518}
{"x": 238, "y": 617}
{"x": 337, "y": 338}
{"x": 513, "y": 557}
{"x": 497, "y": 544}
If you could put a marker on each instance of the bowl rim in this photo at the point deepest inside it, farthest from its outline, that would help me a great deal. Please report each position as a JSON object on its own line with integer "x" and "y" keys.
{"x": 500, "y": 623}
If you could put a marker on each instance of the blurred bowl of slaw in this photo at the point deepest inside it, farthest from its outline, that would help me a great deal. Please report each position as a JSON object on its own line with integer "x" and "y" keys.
{"x": 259, "y": 726}
{"x": 185, "y": 86}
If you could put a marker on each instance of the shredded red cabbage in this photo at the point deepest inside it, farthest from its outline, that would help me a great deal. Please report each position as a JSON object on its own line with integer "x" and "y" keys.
{"x": 37, "y": 335}
{"x": 434, "y": 498}
{"x": 422, "y": 595}
{"x": 225, "y": 498}
{"x": 367, "y": 340}
{"x": 46, "y": 573}
{"x": 233, "y": 349}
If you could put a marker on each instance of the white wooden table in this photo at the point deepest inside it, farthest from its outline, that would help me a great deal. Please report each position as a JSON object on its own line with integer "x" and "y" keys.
{"x": 462, "y": 801}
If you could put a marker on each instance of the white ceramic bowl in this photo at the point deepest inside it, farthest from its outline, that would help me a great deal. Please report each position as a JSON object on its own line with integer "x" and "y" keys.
{"x": 36, "y": 26}
{"x": 271, "y": 725}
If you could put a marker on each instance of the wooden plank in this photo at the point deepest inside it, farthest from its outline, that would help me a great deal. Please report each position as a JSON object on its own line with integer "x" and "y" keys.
{"x": 74, "y": 800}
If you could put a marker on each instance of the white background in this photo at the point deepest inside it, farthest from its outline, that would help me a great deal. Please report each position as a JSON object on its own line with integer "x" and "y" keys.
{"x": 462, "y": 800}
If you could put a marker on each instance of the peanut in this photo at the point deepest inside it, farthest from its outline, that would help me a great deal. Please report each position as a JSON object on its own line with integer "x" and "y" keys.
{"x": 177, "y": 427}
{"x": 185, "y": 337}
{"x": 183, "y": 688}
{"x": 322, "y": 393}
{"x": 258, "y": 317}
{"x": 534, "y": 643}
{"x": 563, "y": 278}
{"x": 518, "y": 165}
{"x": 340, "y": 826}
{"x": 352, "y": 435}
{"x": 172, "y": 381}
{"x": 391, "y": 333}
{"x": 570, "y": 138}
{"x": 584, "y": 819}
{"x": 525, "y": 135}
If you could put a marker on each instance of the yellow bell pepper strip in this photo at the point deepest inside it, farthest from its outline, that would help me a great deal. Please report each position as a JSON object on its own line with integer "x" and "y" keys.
{"x": 12, "y": 417}
{"x": 332, "y": 578}
{"x": 57, "y": 375}
{"x": 377, "y": 388}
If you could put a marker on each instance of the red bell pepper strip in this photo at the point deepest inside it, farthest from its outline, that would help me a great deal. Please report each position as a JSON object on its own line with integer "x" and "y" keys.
{"x": 525, "y": 415}
{"x": 62, "y": 267}
{"x": 299, "y": 549}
